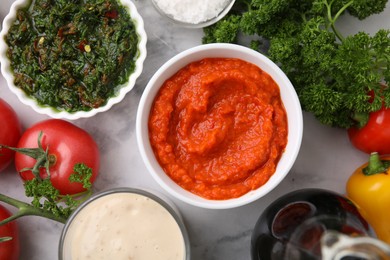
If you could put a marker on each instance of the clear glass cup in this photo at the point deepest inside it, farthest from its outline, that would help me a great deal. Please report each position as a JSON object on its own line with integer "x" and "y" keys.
{"x": 72, "y": 225}
{"x": 329, "y": 237}
{"x": 337, "y": 246}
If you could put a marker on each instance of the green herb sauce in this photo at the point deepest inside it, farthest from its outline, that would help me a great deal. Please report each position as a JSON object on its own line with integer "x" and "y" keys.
{"x": 72, "y": 55}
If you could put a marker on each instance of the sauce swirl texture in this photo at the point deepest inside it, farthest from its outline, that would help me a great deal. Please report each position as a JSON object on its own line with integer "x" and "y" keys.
{"x": 218, "y": 127}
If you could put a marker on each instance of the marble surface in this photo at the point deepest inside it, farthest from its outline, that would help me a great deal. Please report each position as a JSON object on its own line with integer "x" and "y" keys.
{"x": 326, "y": 158}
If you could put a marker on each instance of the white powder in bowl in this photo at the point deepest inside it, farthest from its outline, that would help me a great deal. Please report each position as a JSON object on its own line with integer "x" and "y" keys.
{"x": 192, "y": 11}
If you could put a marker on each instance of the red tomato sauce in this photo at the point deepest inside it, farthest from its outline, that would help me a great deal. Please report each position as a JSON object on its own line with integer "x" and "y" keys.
{"x": 218, "y": 127}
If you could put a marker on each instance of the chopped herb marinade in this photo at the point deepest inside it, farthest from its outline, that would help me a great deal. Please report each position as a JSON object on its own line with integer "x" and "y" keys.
{"x": 72, "y": 55}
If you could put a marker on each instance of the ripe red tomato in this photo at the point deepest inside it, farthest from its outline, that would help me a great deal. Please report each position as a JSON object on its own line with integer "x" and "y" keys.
{"x": 10, "y": 131}
{"x": 375, "y": 135}
{"x": 67, "y": 144}
{"x": 10, "y": 249}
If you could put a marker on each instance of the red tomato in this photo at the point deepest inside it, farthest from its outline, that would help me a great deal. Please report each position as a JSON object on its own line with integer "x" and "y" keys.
{"x": 9, "y": 250}
{"x": 375, "y": 135}
{"x": 67, "y": 144}
{"x": 10, "y": 132}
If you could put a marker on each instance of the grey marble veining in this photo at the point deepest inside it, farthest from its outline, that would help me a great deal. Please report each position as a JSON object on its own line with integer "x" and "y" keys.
{"x": 326, "y": 158}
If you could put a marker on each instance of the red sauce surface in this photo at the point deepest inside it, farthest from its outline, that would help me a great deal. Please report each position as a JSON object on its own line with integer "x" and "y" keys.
{"x": 218, "y": 127}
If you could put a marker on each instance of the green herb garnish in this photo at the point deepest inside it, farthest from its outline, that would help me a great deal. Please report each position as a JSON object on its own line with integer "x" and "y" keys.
{"x": 47, "y": 201}
{"x": 72, "y": 55}
{"x": 336, "y": 76}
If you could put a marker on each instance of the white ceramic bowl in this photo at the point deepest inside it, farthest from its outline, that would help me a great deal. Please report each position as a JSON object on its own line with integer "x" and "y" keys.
{"x": 157, "y": 203}
{"x": 168, "y": 14}
{"x": 6, "y": 69}
{"x": 289, "y": 98}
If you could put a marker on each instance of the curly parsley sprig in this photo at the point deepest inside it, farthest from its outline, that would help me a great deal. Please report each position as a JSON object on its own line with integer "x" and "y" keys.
{"x": 47, "y": 201}
{"x": 337, "y": 77}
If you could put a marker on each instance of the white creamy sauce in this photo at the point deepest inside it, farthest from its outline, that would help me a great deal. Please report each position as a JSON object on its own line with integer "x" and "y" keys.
{"x": 192, "y": 11}
{"x": 124, "y": 226}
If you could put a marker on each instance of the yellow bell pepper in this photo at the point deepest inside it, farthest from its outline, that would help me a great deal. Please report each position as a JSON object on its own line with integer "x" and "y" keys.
{"x": 369, "y": 188}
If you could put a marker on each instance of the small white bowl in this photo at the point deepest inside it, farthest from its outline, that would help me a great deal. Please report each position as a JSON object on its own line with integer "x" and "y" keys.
{"x": 7, "y": 72}
{"x": 167, "y": 14}
{"x": 220, "y": 50}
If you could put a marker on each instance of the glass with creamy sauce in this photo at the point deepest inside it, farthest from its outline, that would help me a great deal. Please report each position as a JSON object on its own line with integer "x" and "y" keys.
{"x": 125, "y": 223}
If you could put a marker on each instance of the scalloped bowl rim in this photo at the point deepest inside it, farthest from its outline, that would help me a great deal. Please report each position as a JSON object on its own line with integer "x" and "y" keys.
{"x": 7, "y": 72}
{"x": 289, "y": 98}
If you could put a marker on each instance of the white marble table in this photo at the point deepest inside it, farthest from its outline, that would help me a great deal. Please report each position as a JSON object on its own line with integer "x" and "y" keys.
{"x": 326, "y": 158}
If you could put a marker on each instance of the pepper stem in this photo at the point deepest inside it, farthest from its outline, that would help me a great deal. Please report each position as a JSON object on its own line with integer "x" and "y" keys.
{"x": 376, "y": 165}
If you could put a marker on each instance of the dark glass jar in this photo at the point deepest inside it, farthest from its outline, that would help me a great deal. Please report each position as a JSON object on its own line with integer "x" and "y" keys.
{"x": 294, "y": 226}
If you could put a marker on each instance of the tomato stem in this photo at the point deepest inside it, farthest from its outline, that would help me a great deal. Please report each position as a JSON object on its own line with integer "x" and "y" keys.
{"x": 376, "y": 165}
{"x": 361, "y": 118}
{"x": 25, "y": 209}
{"x": 5, "y": 239}
{"x": 42, "y": 157}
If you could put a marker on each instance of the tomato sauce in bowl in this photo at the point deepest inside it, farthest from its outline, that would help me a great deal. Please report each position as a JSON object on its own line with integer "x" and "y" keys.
{"x": 218, "y": 127}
